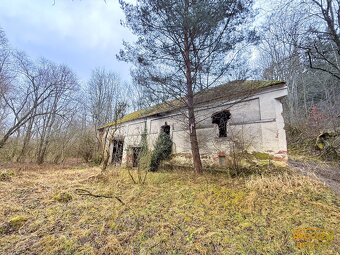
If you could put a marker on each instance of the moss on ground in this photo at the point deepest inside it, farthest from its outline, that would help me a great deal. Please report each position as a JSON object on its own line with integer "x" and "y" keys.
{"x": 63, "y": 197}
{"x": 17, "y": 221}
{"x": 173, "y": 213}
{"x": 13, "y": 224}
{"x": 262, "y": 155}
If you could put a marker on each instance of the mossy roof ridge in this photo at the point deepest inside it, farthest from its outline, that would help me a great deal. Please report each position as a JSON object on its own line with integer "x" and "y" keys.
{"x": 228, "y": 91}
{"x": 140, "y": 114}
{"x": 235, "y": 90}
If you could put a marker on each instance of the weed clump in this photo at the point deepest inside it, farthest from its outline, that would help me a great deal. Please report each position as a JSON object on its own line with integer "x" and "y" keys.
{"x": 17, "y": 221}
{"x": 63, "y": 197}
{"x": 13, "y": 224}
{"x": 5, "y": 176}
{"x": 162, "y": 150}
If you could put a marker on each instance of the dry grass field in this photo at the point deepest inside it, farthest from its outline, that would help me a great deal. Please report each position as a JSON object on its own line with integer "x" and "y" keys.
{"x": 172, "y": 213}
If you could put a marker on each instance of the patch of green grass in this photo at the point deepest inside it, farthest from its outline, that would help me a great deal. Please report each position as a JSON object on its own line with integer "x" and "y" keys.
{"x": 17, "y": 221}
{"x": 262, "y": 155}
{"x": 63, "y": 197}
{"x": 13, "y": 224}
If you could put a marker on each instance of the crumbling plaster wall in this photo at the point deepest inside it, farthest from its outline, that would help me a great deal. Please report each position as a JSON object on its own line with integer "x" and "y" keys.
{"x": 256, "y": 122}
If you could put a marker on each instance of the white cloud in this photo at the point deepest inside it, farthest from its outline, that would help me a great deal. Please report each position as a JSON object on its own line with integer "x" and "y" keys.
{"x": 67, "y": 31}
{"x": 92, "y": 20}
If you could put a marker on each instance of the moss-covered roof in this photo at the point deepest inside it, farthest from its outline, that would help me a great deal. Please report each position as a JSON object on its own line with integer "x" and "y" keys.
{"x": 228, "y": 91}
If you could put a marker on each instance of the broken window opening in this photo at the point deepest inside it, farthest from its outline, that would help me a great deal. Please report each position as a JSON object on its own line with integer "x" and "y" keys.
{"x": 117, "y": 151}
{"x": 165, "y": 128}
{"x": 221, "y": 119}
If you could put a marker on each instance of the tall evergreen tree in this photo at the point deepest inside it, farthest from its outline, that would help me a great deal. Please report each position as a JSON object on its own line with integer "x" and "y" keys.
{"x": 185, "y": 46}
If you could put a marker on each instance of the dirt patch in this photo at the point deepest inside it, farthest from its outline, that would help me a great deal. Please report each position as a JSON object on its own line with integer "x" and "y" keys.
{"x": 325, "y": 172}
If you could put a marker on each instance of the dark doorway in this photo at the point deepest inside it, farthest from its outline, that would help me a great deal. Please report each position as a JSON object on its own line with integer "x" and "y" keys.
{"x": 117, "y": 151}
{"x": 135, "y": 155}
{"x": 221, "y": 118}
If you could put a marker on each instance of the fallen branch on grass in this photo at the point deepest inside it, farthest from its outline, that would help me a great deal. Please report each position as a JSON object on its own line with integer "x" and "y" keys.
{"x": 84, "y": 192}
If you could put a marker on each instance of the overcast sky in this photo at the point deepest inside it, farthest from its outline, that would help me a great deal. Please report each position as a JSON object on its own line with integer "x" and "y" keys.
{"x": 84, "y": 34}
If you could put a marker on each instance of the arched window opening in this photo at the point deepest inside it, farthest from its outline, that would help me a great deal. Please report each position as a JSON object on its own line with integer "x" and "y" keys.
{"x": 221, "y": 119}
{"x": 166, "y": 128}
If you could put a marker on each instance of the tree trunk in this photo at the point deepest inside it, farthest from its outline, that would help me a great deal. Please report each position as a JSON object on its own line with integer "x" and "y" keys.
{"x": 4, "y": 140}
{"x": 27, "y": 139}
{"x": 105, "y": 151}
{"x": 190, "y": 100}
{"x": 194, "y": 142}
{"x": 16, "y": 143}
{"x": 47, "y": 131}
{"x": 10, "y": 132}
{"x": 40, "y": 158}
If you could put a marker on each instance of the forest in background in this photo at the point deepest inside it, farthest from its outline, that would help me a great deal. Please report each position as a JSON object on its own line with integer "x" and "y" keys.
{"x": 46, "y": 115}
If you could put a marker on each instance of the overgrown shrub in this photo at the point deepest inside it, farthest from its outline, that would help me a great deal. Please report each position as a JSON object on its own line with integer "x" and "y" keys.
{"x": 145, "y": 154}
{"x": 145, "y": 160}
{"x": 328, "y": 143}
{"x": 87, "y": 146}
{"x": 5, "y": 176}
{"x": 161, "y": 151}
{"x": 324, "y": 144}
{"x": 97, "y": 159}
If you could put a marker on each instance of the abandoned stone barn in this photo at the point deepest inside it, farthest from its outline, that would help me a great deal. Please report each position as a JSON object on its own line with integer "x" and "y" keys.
{"x": 237, "y": 116}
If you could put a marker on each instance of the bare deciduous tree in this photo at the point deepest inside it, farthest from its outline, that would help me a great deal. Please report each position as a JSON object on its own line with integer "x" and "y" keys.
{"x": 4, "y": 74}
{"x": 24, "y": 99}
{"x": 58, "y": 105}
{"x": 289, "y": 37}
{"x": 35, "y": 97}
{"x": 103, "y": 96}
{"x": 106, "y": 104}
{"x": 323, "y": 45}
